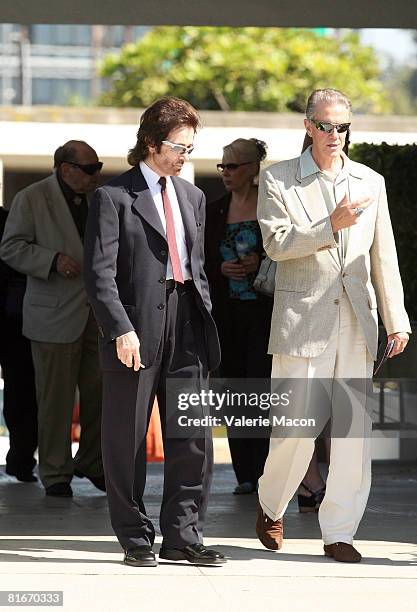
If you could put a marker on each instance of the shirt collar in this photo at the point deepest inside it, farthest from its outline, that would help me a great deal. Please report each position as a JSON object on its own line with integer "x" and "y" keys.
{"x": 150, "y": 176}
{"x": 69, "y": 194}
{"x": 308, "y": 166}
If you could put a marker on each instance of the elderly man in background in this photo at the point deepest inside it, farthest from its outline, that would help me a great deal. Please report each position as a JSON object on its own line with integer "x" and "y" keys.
{"x": 43, "y": 239}
{"x": 325, "y": 219}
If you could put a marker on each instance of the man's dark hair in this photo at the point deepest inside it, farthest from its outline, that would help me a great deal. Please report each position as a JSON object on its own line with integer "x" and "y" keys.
{"x": 158, "y": 120}
{"x": 67, "y": 152}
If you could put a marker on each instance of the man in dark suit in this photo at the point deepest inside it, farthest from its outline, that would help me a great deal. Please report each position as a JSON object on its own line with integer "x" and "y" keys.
{"x": 144, "y": 257}
{"x": 20, "y": 409}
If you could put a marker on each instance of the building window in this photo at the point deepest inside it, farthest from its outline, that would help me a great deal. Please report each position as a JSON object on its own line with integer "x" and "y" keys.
{"x": 60, "y": 91}
{"x": 42, "y": 34}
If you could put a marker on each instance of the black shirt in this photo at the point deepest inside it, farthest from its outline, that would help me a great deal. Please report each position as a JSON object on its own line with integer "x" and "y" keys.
{"x": 77, "y": 203}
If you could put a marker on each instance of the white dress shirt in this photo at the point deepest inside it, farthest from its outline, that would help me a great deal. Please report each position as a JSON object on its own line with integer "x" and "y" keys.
{"x": 152, "y": 179}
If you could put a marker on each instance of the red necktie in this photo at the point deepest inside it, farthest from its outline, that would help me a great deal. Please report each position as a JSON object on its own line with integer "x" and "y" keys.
{"x": 171, "y": 239}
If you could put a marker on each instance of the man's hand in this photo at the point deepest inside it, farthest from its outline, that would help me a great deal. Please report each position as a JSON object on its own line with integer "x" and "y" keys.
{"x": 67, "y": 266}
{"x": 127, "y": 347}
{"x": 233, "y": 270}
{"x": 401, "y": 339}
{"x": 345, "y": 214}
{"x": 250, "y": 262}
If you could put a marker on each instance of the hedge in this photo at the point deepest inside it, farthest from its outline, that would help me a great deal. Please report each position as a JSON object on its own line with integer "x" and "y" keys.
{"x": 398, "y": 165}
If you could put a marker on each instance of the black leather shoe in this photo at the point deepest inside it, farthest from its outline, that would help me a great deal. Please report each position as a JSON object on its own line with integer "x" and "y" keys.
{"x": 141, "y": 556}
{"x": 194, "y": 553}
{"x": 310, "y": 503}
{"x": 98, "y": 481}
{"x": 59, "y": 489}
{"x": 22, "y": 475}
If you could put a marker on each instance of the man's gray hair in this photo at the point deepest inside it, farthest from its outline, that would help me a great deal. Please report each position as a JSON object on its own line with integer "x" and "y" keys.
{"x": 326, "y": 96}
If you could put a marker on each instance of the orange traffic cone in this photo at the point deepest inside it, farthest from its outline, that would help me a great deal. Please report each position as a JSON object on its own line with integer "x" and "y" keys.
{"x": 75, "y": 428}
{"x": 154, "y": 444}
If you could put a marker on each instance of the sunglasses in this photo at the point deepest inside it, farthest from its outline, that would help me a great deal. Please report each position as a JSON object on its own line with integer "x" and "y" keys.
{"x": 329, "y": 127}
{"x": 178, "y": 148}
{"x": 88, "y": 168}
{"x": 232, "y": 167}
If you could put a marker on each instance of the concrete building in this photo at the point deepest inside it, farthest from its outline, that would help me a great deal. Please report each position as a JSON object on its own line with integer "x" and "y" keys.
{"x": 56, "y": 64}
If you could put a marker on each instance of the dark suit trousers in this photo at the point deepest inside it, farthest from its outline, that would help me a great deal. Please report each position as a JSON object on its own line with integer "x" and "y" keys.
{"x": 59, "y": 369}
{"x": 128, "y": 398}
{"x": 244, "y": 343}
{"x": 20, "y": 407}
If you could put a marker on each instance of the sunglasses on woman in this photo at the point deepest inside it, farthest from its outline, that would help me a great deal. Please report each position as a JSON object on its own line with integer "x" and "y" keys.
{"x": 329, "y": 127}
{"x": 223, "y": 167}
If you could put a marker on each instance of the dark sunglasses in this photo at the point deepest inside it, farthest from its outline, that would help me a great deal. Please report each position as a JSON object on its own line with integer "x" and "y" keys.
{"x": 88, "y": 168}
{"x": 329, "y": 127}
{"x": 223, "y": 167}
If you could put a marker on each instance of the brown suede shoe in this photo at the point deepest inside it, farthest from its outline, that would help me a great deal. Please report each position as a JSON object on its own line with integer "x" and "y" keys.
{"x": 268, "y": 531}
{"x": 340, "y": 551}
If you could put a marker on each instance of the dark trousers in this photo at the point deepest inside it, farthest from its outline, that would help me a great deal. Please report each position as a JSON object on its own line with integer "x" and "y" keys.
{"x": 59, "y": 369}
{"x": 128, "y": 398}
{"x": 20, "y": 407}
{"x": 244, "y": 344}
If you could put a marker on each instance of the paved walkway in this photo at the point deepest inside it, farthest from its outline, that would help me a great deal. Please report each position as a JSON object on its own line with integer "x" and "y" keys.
{"x": 60, "y": 544}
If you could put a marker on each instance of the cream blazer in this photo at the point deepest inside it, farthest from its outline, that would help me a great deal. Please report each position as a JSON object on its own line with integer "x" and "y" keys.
{"x": 39, "y": 225}
{"x": 310, "y": 279}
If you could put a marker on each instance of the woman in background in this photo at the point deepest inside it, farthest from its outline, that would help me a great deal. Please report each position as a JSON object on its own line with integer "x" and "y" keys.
{"x": 234, "y": 252}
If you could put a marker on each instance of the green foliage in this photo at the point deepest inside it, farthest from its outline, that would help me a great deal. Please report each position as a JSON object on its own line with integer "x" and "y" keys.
{"x": 77, "y": 100}
{"x": 398, "y": 164}
{"x": 242, "y": 69}
{"x": 400, "y": 83}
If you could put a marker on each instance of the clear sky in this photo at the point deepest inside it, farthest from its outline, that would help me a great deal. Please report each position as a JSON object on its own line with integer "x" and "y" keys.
{"x": 396, "y": 43}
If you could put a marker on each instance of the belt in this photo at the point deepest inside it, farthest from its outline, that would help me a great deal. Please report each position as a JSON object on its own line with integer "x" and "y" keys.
{"x": 172, "y": 284}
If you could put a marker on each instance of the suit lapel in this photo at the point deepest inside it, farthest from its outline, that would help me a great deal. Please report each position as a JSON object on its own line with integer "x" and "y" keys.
{"x": 311, "y": 197}
{"x": 187, "y": 213}
{"x": 63, "y": 220}
{"x": 144, "y": 204}
{"x": 143, "y": 201}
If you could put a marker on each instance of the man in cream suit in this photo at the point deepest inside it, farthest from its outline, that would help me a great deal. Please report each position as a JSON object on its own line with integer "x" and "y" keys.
{"x": 325, "y": 220}
{"x": 43, "y": 239}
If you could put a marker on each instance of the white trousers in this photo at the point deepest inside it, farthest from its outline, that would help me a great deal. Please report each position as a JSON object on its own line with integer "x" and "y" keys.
{"x": 349, "y": 479}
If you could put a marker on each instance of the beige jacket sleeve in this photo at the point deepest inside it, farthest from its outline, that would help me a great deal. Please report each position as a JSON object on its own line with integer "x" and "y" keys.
{"x": 18, "y": 247}
{"x": 385, "y": 273}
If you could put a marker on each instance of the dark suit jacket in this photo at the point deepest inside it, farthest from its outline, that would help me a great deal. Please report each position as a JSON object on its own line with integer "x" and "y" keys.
{"x": 215, "y": 232}
{"x": 12, "y": 288}
{"x": 125, "y": 260}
